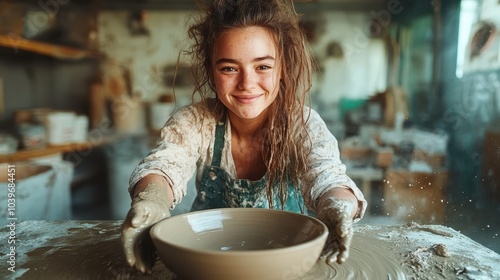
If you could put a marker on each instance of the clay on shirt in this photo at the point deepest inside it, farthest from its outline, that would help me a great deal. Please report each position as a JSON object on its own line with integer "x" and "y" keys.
{"x": 186, "y": 144}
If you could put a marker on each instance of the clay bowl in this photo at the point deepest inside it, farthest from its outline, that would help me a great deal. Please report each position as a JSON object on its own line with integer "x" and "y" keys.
{"x": 239, "y": 243}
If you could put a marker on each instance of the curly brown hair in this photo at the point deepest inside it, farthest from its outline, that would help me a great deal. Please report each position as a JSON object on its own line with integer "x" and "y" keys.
{"x": 284, "y": 134}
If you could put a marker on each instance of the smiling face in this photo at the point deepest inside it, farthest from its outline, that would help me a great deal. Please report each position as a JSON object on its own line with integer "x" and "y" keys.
{"x": 246, "y": 71}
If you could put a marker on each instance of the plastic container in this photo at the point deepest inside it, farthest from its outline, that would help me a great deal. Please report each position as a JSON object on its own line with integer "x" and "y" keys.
{"x": 80, "y": 129}
{"x": 32, "y": 135}
{"x": 159, "y": 114}
{"x": 8, "y": 144}
{"x": 60, "y": 127}
{"x": 42, "y": 191}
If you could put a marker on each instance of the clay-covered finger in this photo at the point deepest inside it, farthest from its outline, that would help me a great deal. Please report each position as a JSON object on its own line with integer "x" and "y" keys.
{"x": 145, "y": 252}
{"x": 128, "y": 239}
{"x": 343, "y": 224}
{"x": 138, "y": 216}
{"x": 342, "y": 256}
{"x": 344, "y": 232}
{"x": 332, "y": 257}
{"x": 327, "y": 250}
{"x": 329, "y": 245}
{"x": 143, "y": 266}
{"x": 331, "y": 250}
{"x": 139, "y": 265}
{"x": 343, "y": 229}
{"x": 138, "y": 253}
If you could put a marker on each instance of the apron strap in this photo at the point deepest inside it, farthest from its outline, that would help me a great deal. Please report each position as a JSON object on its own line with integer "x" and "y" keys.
{"x": 220, "y": 130}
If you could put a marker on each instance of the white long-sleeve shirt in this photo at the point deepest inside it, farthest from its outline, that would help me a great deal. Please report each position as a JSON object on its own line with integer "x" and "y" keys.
{"x": 186, "y": 144}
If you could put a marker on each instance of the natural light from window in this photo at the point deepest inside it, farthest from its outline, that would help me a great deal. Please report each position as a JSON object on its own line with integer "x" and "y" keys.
{"x": 468, "y": 16}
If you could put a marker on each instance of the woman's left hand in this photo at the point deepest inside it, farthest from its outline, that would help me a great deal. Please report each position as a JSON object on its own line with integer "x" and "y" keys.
{"x": 336, "y": 214}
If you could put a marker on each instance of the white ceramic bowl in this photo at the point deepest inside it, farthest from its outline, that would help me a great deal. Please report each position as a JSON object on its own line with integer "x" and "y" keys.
{"x": 239, "y": 243}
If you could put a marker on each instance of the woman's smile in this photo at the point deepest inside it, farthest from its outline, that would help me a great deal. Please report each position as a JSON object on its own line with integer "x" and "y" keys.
{"x": 247, "y": 99}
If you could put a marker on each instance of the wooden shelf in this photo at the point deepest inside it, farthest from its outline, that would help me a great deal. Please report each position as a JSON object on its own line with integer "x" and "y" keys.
{"x": 17, "y": 43}
{"x": 24, "y": 155}
{"x": 29, "y": 154}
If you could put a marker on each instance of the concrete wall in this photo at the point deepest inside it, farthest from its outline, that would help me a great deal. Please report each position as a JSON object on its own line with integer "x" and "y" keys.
{"x": 357, "y": 74}
{"x": 35, "y": 81}
{"x": 147, "y": 56}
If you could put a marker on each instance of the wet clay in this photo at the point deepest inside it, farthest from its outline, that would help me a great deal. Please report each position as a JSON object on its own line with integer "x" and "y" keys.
{"x": 92, "y": 250}
{"x": 369, "y": 259}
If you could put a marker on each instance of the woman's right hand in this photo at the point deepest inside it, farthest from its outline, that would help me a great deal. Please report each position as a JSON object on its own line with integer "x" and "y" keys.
{"x": 148, "y": 207}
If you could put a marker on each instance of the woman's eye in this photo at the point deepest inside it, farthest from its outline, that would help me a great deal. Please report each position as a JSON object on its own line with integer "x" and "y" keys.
{"x": 264, "y": 67}
{"x": 228, "y": 69}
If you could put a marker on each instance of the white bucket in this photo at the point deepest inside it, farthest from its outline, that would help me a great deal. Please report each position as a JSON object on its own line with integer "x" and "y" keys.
{"x": 60, "y": 127}
{"x": 42, "y": 192}
{"x": 80, "y": 129}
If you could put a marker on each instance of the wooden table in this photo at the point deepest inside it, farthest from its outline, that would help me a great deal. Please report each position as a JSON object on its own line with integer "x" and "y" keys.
{"x": 365, "y": 177}
{"x": 92, "y": 250}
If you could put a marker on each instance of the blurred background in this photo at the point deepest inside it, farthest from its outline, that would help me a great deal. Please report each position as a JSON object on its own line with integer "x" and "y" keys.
{"x": 411, "y": 89}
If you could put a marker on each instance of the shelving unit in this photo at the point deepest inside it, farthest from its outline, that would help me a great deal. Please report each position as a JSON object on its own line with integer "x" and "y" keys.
{"x": 28, "y": 154}
{"x": 14, "y": 44}
{"x": 17, "y": 43}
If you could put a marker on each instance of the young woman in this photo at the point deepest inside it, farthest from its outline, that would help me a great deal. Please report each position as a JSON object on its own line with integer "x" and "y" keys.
{"x": 251, "y": 141}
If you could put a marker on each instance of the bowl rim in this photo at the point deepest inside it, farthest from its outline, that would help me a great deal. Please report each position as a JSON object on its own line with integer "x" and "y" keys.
{"x": 154, "y": 234}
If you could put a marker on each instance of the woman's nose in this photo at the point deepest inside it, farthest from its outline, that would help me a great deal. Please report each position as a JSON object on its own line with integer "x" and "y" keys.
{"x": 248, "y": 80}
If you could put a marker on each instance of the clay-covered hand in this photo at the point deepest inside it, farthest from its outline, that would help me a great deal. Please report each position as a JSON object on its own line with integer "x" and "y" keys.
{"x": 148, "y": 207}
{"x": 336, "y": 214}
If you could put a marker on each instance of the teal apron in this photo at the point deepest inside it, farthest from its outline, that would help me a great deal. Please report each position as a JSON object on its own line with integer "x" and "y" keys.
{"x": 218, "y": 190}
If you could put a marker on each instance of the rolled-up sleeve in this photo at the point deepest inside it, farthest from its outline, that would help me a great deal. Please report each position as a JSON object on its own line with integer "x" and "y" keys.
{"x": 175, "y": 154}
{"x": 325, "y": 169}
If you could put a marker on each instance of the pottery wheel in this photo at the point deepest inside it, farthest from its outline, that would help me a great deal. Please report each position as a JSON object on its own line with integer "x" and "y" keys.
{"x": 92, "y": 250}
{"x": 369, "y": 259}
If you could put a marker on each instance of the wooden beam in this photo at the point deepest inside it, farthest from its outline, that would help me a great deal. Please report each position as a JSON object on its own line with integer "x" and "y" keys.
{"x": 18, "y": 43}
{"x": 2, "y": 102}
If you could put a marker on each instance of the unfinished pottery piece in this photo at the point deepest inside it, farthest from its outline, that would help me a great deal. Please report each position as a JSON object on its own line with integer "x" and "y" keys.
{"x": 239, "y": 243}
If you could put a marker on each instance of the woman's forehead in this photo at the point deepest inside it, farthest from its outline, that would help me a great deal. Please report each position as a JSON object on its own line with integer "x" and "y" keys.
{"x": 241, "y": 42}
